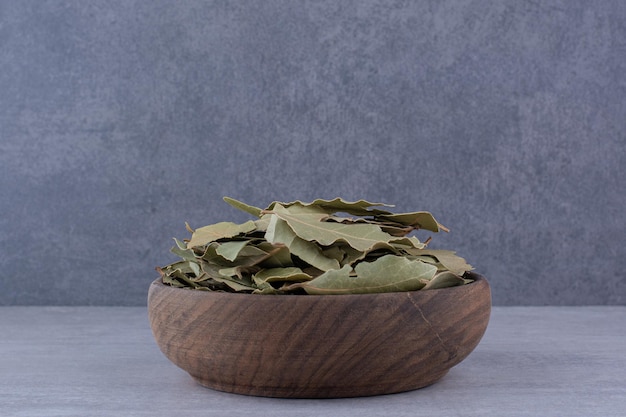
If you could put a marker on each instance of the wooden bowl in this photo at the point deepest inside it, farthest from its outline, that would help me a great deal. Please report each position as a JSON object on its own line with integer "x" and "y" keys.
{"x": 318, "y": 346}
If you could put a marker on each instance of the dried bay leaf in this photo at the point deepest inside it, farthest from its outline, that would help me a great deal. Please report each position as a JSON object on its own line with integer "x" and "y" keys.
{"x": 400, "y": 273}
{"x": 408, "y": 243}
{"x": 263, "y": 279}
{"x": 447, "y": 258}
{"x": 394, "y": 229}
{"x": 334, "y": 252}
{"x": 181, "y": 250}
{"x": 330, "y": 282}
{"x": 357, "y": 208}
{"x": 279, "y": 256}
{"x": 185, "y": 267}
{"x": 216, "y": 267}
{"x": 443, "y": 280}
{"x": 291, "y": 274}
{"x": 212, "y": 270}
{"x": 236, "y": 272}
{"x": 419, "y": 219}
{"x": 182, "y": 274}
{"x": 230, "y": 250}
{"x": 247, "y": 258}
{"x": 222, "y": 230}
{"x": 168, "y": 279}
{"x": 210, "y": 254}
{"x": 255, "y": 211}
{"x": 263, "y": 287}
{"x": 351, "y": 255}
{"x": 313, "y": 248}
{"x": 262, "y": 223}
{"x": 236, "y": 284}
{"x": 310, "y": 227}
{"x": 279, "y": 232}
{"x": 388, "y": 273}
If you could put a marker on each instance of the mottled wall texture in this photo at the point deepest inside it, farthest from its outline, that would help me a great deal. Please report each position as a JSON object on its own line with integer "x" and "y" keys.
{"x": 121, "y": 120}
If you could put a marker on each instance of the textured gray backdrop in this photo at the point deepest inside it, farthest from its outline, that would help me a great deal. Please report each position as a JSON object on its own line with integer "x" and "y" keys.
{"x": 121, "y": 120}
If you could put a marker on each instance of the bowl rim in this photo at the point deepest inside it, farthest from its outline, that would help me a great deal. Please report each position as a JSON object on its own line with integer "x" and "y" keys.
{"x": 478, "y": 279}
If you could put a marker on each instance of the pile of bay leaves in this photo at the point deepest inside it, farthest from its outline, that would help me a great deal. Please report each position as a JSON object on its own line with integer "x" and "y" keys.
{"x": 321, "y": 247}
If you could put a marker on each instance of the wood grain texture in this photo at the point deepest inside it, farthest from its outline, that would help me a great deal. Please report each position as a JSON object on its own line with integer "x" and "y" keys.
{"x": 308, "y": 346}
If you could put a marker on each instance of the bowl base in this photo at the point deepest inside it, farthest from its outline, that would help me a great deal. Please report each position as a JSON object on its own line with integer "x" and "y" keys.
{"x": 320, "y": 392}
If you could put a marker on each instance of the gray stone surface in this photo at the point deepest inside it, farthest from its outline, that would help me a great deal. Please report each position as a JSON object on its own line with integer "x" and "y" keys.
{"x": 121, "y": 120}
{"x": 103, "y": 361}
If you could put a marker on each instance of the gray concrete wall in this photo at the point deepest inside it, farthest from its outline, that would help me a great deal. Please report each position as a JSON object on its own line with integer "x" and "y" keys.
{"x": 121, "y": 120}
